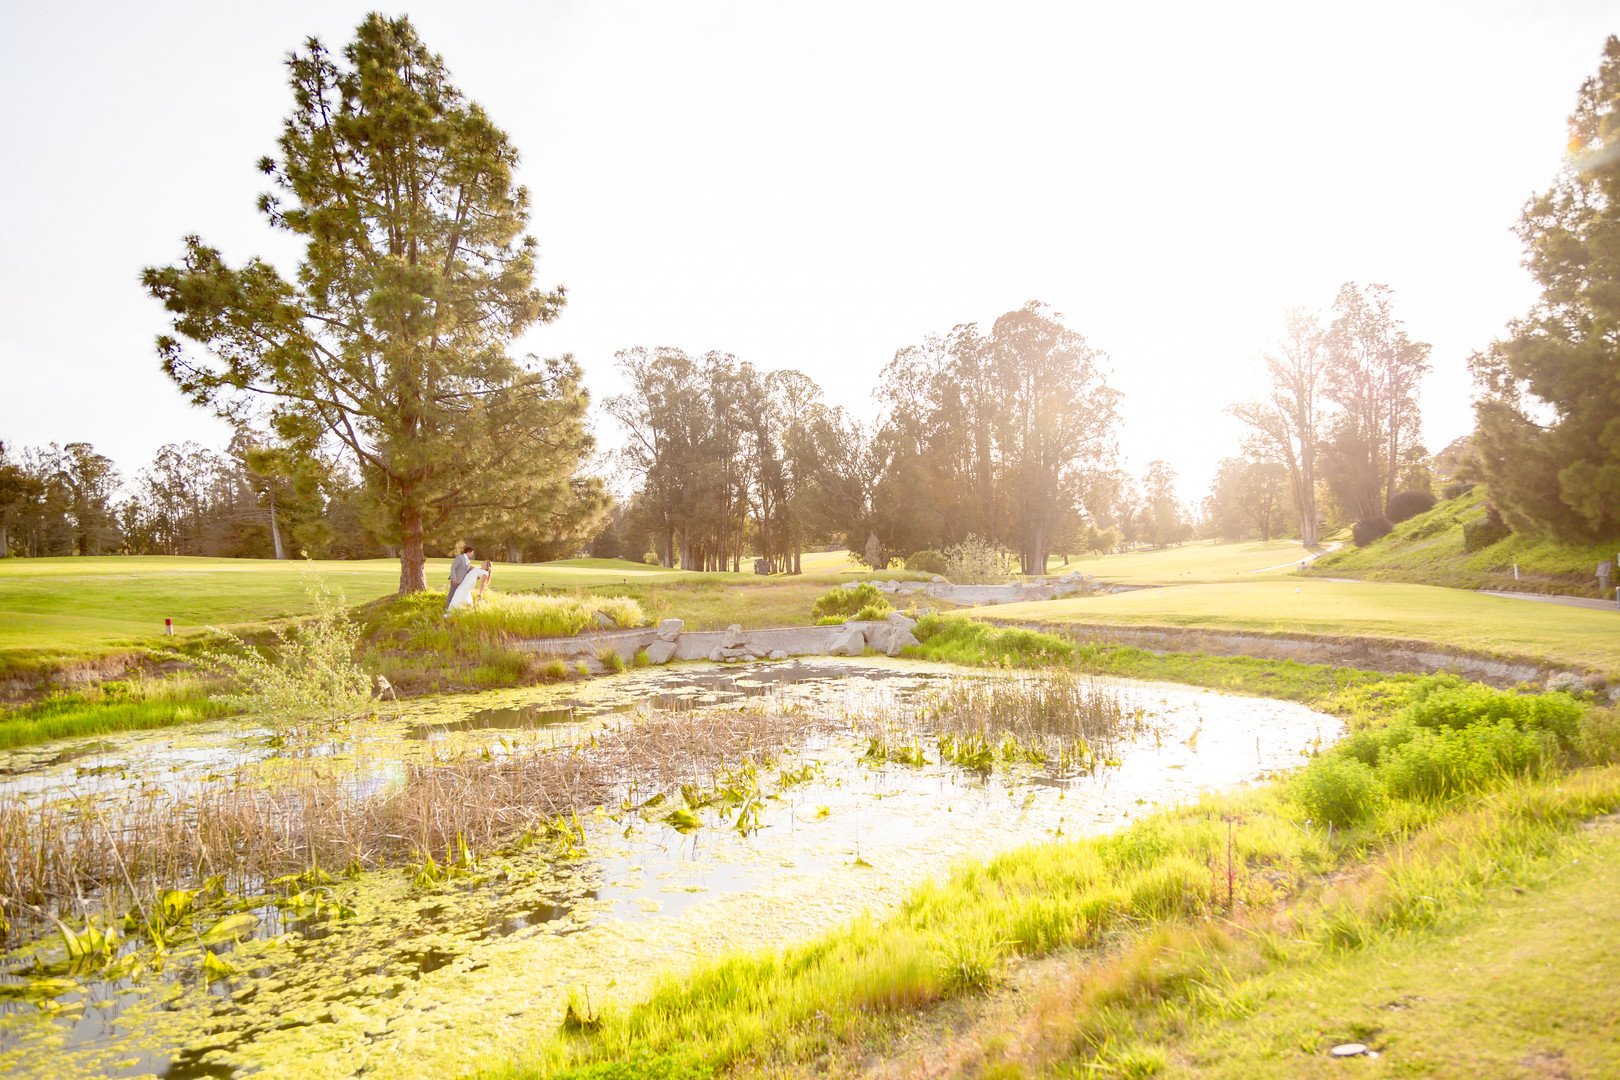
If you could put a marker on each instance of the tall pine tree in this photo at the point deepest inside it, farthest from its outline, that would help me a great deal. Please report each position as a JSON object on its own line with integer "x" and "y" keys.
{"x": 1549, "y": 417}
{"x": 393, "y": 338}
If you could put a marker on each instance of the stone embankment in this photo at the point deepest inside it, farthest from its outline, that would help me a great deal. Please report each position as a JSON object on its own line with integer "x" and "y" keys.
{"x": 669, "y": 640}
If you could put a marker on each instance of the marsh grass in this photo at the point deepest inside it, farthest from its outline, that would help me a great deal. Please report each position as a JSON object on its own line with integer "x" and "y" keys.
{"x": 137, "y": 703}
{"x": 86, "y": 857}
{"x": 530, "y": 615}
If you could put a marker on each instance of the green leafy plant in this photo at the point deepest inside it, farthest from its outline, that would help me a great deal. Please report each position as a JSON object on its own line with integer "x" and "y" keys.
{"x": 310, "y": 678}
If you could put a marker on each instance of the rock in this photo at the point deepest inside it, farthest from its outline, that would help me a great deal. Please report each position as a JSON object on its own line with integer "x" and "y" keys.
{"x": 603, "y": 621}
{"x": 940, "y": 579}
{"x": 878, "y": 636}
{"x": 899, "y": 639}
{"x": 661, "y": 651}
{"x": 1349, "y": 1050}
{"x": 897, "y": 619}
{"x": 714, "y": 655}
{"x": 778, "y": 654}
{"x": 669, "y": 628}
{"x": 735, "y": 652}
{"x": 849, "y": 642}
{"x": 733, "y": 638}
{"x": 923, "y": 613}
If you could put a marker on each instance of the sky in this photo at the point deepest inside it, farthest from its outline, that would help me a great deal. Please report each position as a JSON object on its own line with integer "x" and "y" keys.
{"x": 815, "y": 186}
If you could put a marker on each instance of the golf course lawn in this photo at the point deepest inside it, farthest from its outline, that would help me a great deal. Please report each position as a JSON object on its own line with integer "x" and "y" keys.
{"x": 80, "y": 606}
{"x": 1199, "y": 561}
{"x": 1457, "y": 618}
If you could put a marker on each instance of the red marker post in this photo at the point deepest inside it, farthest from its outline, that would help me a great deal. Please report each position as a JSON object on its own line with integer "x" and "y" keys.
{"x": 168, "y": 627}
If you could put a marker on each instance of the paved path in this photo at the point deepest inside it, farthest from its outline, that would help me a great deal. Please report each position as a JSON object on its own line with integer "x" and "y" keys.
{"x": 1567, "y": 601}
{"x": 1307, "y": 560}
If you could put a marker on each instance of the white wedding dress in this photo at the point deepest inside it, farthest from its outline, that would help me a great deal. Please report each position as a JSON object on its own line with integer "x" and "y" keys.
{"x": 463, "y": 596}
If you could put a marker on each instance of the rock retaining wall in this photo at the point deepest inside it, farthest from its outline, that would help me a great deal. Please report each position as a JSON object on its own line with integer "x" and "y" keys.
{"x": 670, "y": 641}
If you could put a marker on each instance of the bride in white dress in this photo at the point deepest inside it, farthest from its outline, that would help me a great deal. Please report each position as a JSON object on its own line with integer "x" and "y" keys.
{"x": 470, "y": 589}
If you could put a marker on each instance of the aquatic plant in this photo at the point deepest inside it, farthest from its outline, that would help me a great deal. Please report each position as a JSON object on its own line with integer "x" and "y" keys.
{"x": 610, "y": 659}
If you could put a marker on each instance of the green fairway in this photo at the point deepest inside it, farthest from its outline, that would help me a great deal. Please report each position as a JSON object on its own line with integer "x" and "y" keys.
{"x": 1200, "y": 561}
{"x": 61, "y": 608}
{"x": 1456, "y": 618}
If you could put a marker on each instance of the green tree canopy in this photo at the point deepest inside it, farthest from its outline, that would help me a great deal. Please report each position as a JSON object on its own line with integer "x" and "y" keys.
{"x": 1549, "y": 418}
{"x": 393, "y": 339}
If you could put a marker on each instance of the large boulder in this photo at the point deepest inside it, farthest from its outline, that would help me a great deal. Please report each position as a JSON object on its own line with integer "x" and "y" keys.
{"x": 897, "y": 619}
{"x": 733, "y": 638}
{"x": 877, "y": 635}
{"x": 603, "y": 621}
{"x": 661, "y": 651}
{"x": 669, "y": 628}
{"x": 900, "y": 638}
{"x": 849, "y": 642}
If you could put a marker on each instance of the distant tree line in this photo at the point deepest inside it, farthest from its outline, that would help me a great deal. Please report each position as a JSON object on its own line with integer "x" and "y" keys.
{"x": 1002, "y": 435}
{"x": 245, "y": 502}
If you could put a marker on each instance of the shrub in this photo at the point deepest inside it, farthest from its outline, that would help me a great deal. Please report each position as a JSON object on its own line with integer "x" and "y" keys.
{"x": 1369, "y": 745}
{"x": 1456, "y": 488}
{"x": 846, "y": 603}
{"x": 311, "y": 675}
{"x": 1338, "y": 790}
{"x": 976, "y": 562}
{"x": 650, "y": 558}
{"x": 1409, "y": 504}
{"x": 1367, "y": 530}
{"x": 1436, "y": 764}
{"x": 1488, "y": 530}
{"x": 1598, "y": 738}
{"x": 1459, "y": 705}
{"x": 927, "y": 561}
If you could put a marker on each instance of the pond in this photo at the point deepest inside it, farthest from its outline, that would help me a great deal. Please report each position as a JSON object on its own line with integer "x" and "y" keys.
{"x": 814, "y": 791}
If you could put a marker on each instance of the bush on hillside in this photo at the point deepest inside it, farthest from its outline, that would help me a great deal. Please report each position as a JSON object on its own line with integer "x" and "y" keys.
{"x": 1409, "y": 504}
{"x": 1488, "y": 530}
{"x": 1367, "y": 530}
{"x": 842, "y": 603}
{"x": 927, "y": 561}
{"x": 1456, "y": 488}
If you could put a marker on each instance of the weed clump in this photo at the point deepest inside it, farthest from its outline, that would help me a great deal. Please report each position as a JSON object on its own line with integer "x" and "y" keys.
{"x": 1339, "y": 790}
{"x": 864, "y": 601}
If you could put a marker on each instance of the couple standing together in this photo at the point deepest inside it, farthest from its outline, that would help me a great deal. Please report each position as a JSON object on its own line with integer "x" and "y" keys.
{"x": 467, "y": 581}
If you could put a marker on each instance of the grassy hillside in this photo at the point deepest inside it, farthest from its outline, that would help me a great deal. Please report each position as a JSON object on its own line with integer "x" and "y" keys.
{"x": 1428, "y": 550}
{"x": 1487, "y": 625}
{"x": 1183, "y": 564}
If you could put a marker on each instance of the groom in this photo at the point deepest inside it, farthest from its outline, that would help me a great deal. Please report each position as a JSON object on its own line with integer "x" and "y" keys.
{"x": 458, "y": 570}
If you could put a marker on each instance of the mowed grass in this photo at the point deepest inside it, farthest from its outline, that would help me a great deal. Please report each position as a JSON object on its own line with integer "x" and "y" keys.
{"x": 1200, "y": 561}
{"x": 61, "y": 609}
{"x": 1433, "y": 1004}
{"x": 1455, "y": 618}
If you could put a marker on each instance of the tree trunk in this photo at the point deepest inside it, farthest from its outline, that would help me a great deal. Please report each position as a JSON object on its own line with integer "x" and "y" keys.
{"x": 412, "y": 561}
{"x": 513, "y": 555}
{"x": 275, "y": 530}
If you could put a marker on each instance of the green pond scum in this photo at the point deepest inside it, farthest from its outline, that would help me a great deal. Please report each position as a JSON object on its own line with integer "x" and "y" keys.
{"x": 449, "y": 954}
